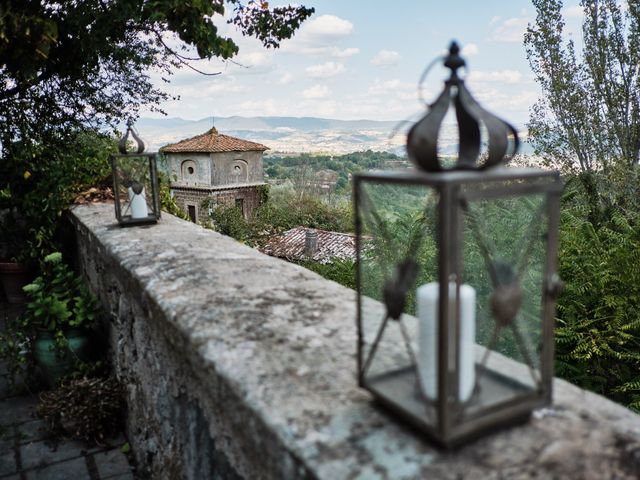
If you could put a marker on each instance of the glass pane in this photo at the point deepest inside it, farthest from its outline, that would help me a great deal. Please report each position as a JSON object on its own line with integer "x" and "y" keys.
{"x": 398, "y": 254}
{"x": 503, "y": 261}
{"x": 135, "y": 192}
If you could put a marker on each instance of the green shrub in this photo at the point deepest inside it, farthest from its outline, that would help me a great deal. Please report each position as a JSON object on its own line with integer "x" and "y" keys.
{"x": 339, "y": 270}
{"x": 37, "y": 182}
{"x": 598, "y": 325}
{"x": 282, "y": 210}
{"x": 229, "y": 220}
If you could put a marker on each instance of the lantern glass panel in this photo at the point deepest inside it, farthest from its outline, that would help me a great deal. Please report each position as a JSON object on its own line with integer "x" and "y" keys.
{"x": 503, "y": 260}
{"x": 474, "y": 315}
{"x": 398, "y": 222}
{"x": 135, "y": 183}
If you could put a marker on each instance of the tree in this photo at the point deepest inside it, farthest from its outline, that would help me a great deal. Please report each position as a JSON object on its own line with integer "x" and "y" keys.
{"x": 588, "y": 118}
{"x": 65, "y": 64}
{"x": 67, "y": 68}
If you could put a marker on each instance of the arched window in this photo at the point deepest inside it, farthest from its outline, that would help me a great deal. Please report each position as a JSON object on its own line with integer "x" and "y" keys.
{"x": 239, "y": 171}
{"x": 189, "y": 171}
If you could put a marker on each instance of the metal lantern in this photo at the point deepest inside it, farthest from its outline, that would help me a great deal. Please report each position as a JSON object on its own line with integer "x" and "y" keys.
{"x": 456, "y": 276}
{"x": 135, "y": 183}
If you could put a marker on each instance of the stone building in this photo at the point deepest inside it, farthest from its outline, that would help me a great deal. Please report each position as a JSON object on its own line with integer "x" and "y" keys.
{"x": 226, "y": 168}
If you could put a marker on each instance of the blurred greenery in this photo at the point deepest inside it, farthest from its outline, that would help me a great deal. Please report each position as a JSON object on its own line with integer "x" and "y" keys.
{"x": 39, "y": 181}
{"x": 284, "y": 208}
{"x": 291, "y": 168}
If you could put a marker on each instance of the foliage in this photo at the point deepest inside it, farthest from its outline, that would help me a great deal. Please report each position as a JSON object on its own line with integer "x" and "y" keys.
{"x": 588, "y": 120}
{"x": 283, "y": 210}
{"x": 84, "y": 408}
{"x": 67, "y": 68}
{"x": 38, "y": 182}
{"x": 588, "y": 117}
{"x": 228, "y": 220}
{"x": 292, "y": 168}
{"x": 167, "y": 202}
{"x": 65, "y": 64}
{"x": 341, "y": 271}
{"x": 58, "y": 298}
{"x": 598, "y": 326}
{"x": 57, "y": 301}
{"x": 263, "y": 194}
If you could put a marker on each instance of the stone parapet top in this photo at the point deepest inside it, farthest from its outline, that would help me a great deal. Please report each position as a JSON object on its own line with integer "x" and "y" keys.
{"x": 283, "y": 339}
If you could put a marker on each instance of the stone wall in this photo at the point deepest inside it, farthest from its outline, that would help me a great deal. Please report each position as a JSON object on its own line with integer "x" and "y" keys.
{"x": 214, "y": 169}
{"x": 186, "y": 197}
{"x": 179, "y": 173}
{"x": 239, "y": 365}
{"x": 237, "y": 167}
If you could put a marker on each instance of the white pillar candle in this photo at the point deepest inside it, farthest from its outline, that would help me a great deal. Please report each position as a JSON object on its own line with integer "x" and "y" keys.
{"x": 427, "y": 296}
{"x": 138, "y": 204}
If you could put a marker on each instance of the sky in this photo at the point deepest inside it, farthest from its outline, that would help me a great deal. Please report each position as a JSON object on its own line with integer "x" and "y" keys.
{"x": 357, "y": 59}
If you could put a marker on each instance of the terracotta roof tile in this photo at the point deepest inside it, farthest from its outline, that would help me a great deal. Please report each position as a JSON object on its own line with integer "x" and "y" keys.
{"x": 211, "y": 142}
{"x": 330, "y": 245}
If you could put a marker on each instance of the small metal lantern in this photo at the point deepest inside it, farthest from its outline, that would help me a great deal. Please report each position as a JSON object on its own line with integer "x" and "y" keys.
{"x": 135, "y": 183}
{"x": 456, "y": 277}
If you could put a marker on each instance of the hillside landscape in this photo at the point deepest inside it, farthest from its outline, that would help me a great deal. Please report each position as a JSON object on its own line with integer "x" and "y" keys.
{"x": 282, "y": 134}
{"x": 298, "y": 134}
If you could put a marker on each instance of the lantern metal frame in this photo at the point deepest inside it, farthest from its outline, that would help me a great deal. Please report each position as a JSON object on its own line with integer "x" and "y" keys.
{"x": 452, "y": 425}
{"x": 151, "y": 162}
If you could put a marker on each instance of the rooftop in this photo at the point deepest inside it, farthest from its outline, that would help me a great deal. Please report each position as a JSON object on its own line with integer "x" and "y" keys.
{"x": 212, "y": 142}
{"x": 330, "y": 245}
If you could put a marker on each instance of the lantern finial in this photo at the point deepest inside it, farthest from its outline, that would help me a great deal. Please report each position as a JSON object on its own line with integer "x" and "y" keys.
{"x": 122, "y": 145}
{"x": 422, "y": 141}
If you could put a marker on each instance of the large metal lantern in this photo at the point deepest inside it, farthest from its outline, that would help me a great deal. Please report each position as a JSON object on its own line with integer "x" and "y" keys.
{"x": 456, "y": 277}
{"x": 135, "y": 183}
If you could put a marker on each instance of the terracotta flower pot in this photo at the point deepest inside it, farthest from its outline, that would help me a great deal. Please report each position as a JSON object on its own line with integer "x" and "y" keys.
{"x": 13, "y": 277}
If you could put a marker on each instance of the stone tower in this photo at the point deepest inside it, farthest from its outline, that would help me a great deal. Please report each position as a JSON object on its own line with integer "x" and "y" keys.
{"x": 226, "y": 168}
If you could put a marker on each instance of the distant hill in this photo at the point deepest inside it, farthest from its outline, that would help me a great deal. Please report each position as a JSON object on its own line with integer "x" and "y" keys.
{"x": 296, "y": 134}
{"x": 281, "y": 134}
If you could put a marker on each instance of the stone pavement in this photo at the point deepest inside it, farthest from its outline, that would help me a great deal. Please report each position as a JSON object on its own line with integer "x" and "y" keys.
{"x": 27, "y": 452}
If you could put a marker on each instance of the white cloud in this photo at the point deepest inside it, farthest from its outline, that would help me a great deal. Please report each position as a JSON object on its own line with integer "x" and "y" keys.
{"x": 325, "y": 70}
{"x": 316, "y": 91}
{"x": 343, "y": 53}
{"x": 319, "y": 37}
{"x": 217, "y": 88}
{"x": 267, "y": 106}
{"x": 317, "y": 51}
{"x": 388, "y": 87}
{"x": 257, "y": 60}
{"x": 323, "y": 29}
{"x": 385, "y": 58}
{"x": 511, "y": 30}
{"x": 285, "y": 79}
{"x": 508, "y": 105}
{"x": 394, "y": 92}
{"x": 504, "y": 76}
{"x": 469, "y": 49}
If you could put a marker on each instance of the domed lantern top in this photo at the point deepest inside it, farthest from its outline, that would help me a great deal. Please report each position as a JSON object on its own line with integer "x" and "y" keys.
{"x": 422, "y": 141}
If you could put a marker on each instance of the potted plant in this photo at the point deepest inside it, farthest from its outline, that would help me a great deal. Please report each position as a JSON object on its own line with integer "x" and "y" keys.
{"x": 54, "y": 329}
